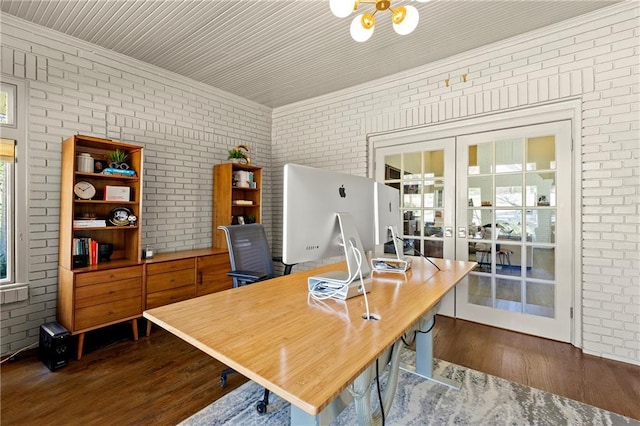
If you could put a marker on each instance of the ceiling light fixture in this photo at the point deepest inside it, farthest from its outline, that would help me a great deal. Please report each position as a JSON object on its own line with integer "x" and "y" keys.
{"x": 403, "y": 18}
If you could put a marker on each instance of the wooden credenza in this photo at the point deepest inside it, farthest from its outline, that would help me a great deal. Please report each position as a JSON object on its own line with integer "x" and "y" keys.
{"x": 172, "y": 277}
{"x": 91, "y": 299}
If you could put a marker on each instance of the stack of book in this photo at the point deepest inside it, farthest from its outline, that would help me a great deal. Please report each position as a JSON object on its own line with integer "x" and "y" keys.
{"x": 86, "y": 247}
{"x": 89, "y": 223}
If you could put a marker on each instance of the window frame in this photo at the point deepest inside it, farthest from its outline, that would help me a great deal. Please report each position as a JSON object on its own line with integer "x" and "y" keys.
{"x": 17, "y": 274}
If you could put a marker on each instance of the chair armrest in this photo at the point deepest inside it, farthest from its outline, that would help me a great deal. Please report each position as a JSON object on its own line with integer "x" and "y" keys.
{"x": 248, "y": 276}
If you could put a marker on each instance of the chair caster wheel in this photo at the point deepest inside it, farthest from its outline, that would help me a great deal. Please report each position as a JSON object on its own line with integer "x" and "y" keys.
{"x": 223, "y": 381}
{"x": 261, "y": 407}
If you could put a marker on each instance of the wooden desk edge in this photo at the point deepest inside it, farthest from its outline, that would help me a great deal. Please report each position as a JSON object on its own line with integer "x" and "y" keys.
{"x": 283, "y": 393}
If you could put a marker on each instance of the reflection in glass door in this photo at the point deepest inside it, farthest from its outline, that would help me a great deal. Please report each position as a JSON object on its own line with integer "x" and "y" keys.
{"x": 427, "y": 194}
{"x": 424, "y": 172}
{"x": 514, "y": 192}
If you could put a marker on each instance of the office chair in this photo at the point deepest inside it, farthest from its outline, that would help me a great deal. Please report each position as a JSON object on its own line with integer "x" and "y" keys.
{"x": 251, "y": 262}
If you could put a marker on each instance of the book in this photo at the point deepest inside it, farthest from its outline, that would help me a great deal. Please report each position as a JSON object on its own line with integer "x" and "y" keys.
{"x": 112, "y": 171}
{"x": 89, "y": 223}
{"x": 93, "y": 252}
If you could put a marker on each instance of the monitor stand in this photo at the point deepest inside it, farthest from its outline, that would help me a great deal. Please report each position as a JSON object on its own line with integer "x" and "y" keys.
{"x": 346, "y": 284}
{"x": 400, "y": 263}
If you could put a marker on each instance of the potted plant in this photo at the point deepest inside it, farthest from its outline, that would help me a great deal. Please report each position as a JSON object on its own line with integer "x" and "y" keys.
{"x": 239, "y": 154}
{"x": 235, "y": 154}
{"x": 117, "y": 159}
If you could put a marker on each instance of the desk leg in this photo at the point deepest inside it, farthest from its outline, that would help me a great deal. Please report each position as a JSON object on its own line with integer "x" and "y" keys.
{"x": 360, "y": 393}
{"x": 424, "y": 353}
{"x": 326, "y": 416}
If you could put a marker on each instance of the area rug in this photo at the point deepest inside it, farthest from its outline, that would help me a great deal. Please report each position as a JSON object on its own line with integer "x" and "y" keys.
{"x": 482, "y": 400}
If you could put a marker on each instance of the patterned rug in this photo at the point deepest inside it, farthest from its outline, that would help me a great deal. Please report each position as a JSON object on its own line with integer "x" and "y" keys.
{"x": 482, "y": 400}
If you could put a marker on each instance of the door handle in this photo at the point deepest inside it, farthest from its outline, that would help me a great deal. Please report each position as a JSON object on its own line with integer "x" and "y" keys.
{"x": 448, "y": 231}
{"x": 462, "y": 232}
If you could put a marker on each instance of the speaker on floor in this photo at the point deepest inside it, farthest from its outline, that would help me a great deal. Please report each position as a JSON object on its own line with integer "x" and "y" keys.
{"x": 55, "y": 345}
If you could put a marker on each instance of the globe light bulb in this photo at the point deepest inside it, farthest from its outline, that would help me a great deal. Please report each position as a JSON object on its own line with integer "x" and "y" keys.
{"x": 358, "y": 31}
{"x": 341, "y": 8}
{"x": 405, "y": 19}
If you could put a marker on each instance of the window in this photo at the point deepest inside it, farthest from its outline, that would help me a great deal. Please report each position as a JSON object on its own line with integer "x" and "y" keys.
{"x": 13, "y": 186}
{"x": 7, "y": 190}
{"x": 8, "y": 104}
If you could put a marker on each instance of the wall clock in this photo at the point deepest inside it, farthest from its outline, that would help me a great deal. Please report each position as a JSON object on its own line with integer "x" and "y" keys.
{"x": 84, "y": 190}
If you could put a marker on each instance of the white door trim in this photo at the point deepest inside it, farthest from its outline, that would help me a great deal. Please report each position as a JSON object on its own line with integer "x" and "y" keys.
{"x": 570, "y": 109}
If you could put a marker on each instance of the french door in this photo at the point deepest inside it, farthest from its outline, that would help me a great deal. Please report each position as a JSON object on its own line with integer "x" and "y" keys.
{"x": 502, "y": 199}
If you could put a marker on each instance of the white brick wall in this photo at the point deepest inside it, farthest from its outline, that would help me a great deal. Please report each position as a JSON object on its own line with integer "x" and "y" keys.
{"x": 185, "y": 127}
{"x": 595, "y": 58}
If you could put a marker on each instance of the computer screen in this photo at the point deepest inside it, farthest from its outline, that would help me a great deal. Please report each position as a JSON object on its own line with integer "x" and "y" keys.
{"x": 320, "y": 206}
{"x": 387, "y": 223}
{"x": 387, "y": 217}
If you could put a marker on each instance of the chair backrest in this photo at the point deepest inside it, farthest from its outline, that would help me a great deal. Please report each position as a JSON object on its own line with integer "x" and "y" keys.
{"x": 248, "y": 248}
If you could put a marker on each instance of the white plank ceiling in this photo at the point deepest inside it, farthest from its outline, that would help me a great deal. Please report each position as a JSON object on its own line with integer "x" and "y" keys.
{"x": 280, "y": 52}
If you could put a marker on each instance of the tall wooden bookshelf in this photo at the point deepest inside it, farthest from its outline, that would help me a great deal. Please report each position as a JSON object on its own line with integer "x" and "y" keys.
{"x": 94, "y": 294}
{"x": 235, "y": 201}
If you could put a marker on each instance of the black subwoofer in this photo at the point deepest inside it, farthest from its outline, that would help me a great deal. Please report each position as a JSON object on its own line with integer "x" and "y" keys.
{"x": 55, "y": 345}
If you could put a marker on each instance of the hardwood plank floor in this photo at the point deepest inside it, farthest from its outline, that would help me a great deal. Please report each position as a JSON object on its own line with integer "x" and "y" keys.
{"x": 162, "y": 380}
{"x": 540, "y": 363}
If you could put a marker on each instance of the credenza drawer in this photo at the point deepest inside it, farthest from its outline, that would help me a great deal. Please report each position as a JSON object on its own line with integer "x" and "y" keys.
{"x": 105, "y": 313}
{"x": 212, "y": 274}
{"x": 166, "y": 297}
{"x": 90, "y": 295}
{"x": 173, "y": 265}
{"x": 108, "y": 275}
{"x": 168, "y": 280}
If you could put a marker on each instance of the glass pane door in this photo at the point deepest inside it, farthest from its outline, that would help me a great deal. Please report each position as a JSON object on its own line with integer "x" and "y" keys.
{"x": 512, "y": 223}
{"x": 427, "y": 194}
{"x": 424, "y": 172}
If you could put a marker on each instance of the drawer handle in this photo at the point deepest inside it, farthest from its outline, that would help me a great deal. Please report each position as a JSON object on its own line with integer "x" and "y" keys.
{"x": 200, "y": 278}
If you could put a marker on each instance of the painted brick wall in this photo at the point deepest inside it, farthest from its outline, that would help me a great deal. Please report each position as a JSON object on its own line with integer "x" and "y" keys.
{"x": 595, "y": 58}
{"x": 75, "y": 87}
{"x": 185, "y": 127}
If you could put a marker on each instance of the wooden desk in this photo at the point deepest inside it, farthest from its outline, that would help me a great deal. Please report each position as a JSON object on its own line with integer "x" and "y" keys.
{"x": 305, "y": 351}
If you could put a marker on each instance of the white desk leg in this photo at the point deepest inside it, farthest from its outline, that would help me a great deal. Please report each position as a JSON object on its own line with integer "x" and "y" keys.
{"x": 359, "y": 393}
{"x": 424, "y": 353}
{"x": 326, "y": 416}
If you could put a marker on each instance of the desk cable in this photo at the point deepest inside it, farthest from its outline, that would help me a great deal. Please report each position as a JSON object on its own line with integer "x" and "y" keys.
{"x": 379, "y": 393}
{"x": 419, "y": 331}
{"x": 421, "y": 255}
{"x": 319, "y": 291}
{"x": 358, "y": 257}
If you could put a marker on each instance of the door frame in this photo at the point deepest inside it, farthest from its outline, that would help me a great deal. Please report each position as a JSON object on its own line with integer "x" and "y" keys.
{"x": 569, "y": 109}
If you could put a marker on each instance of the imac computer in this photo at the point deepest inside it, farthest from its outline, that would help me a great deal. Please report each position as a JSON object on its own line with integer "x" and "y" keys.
{"x": 329, "y": 214}
{"x": 387, "y": 223}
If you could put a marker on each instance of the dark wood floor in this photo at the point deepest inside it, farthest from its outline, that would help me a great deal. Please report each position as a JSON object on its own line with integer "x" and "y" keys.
{"x": 163, "y": 380}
